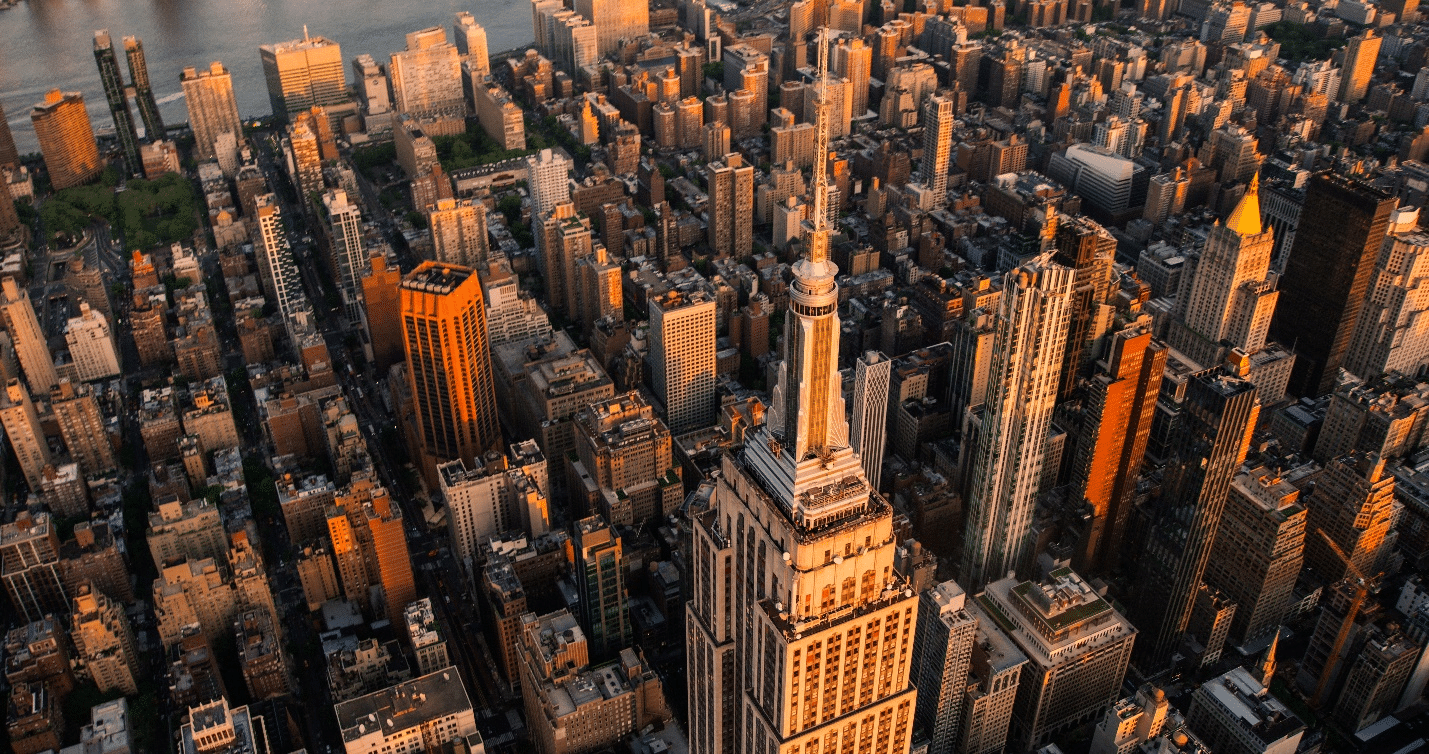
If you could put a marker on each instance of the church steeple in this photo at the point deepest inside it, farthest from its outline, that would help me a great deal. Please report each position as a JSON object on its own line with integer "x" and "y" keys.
{"x": 1267, "y": 663}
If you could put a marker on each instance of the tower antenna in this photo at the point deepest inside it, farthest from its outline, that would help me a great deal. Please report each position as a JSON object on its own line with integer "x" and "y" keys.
{"x": 818, "y": 246}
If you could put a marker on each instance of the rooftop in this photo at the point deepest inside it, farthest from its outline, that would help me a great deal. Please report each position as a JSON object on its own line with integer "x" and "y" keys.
{"x": 435, "y": 277}
{"x": 298, "y": 45}
{"x": 1246, "y": 700}
{"x": 557, "y": 631}
{"x": 1056, "y": 620}
{"x": 405, "y": 705}
{"x": 422, "y": 623}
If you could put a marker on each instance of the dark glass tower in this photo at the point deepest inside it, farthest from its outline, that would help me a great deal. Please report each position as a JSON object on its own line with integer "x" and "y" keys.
{"x": 1327, "y": 277}
{"x": 113, "y": 80}
{"x": 143, "y": 92}
{"x": 1211, "y": 440}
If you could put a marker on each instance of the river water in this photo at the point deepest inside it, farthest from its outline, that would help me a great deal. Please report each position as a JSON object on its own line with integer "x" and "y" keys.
{"x": 47, "y": 44}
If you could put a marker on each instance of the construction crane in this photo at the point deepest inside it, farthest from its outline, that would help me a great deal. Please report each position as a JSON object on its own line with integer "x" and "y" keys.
{"x": 1361, "y": 590}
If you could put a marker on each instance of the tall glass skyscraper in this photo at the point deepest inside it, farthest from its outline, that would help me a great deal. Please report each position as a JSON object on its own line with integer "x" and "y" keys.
{"x": 113, "y": 80}
{"x": 143, "y": 92}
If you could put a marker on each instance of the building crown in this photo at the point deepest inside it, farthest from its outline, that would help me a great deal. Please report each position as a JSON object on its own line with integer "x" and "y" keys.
{"x": 1245, "y": 218}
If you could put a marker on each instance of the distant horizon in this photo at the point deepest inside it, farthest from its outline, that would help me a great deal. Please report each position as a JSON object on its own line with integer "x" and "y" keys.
{"x": 198, "y": 34}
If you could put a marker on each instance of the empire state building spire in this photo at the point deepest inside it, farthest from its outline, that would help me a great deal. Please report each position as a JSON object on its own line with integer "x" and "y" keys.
{"x": 809, "y": 417}
{"x": 816, "y": 228}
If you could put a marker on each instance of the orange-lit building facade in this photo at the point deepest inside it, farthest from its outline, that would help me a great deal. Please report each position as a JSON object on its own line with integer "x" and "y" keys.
{"x": 1121, "y": 400}
{"x": 66, "y": 139}
{"x": 448, "y": 363}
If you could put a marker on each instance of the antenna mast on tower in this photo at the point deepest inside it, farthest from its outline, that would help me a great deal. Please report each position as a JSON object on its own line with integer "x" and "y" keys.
{"x": 817, "y": 242}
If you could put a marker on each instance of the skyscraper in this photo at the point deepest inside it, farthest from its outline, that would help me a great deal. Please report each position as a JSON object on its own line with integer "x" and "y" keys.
{"x": 1230, "y": 299}
{"x": 682, "y": 358}
{"x": 373, "y": 94}
{"x": 1032, "y": 321}
{"x": 1077, "y": 646}
{"x": 548, "y": 180}
{"x": 542, "y": 23}
{"x": 27, "y": 437}
{"x": 1361, "y": 52}
{"x": 18, "y": 316}
{"x": 276, "y": 268}
{"x": 426, "y": 77}
{"x": 1258, "y": 552}
{"x": 869, "y": 429}
{"x": 30, "y": 565}
{"x": 304, "y": 148}
{"x": 143, "y": 90}
{"x": 853, "y": 60}
{"x": 794, "y": 559}
{"x": 1327, "y": 276}
{"x": 600, "y": 579}
{"x": 383, "y": 309}
{"x": 601, "y": 292}
{"x": 213, "y": 111}
{"x": 1119, "y": 405}
{"x": 616, "y": 20}
{"x": 1166, "y": 196}
{"x": 347, "y": 551}
{"x": 938, "y": 116}
{"x": 82, "y": 427}
{"x": 304, "y": 73}
{"x": 67, "y": 139}
{"x": 489, "y": 501}
{"x": 1392, "y": 331}
{"x": 9, "y": 216}
{"x": 459, "y": 232}
{"x": 91, "y": 345}
{"x": 471, "y": 42}
{"x": 389, "y": 545}
{"x": 448, "y": 363}
{"x": 625, "y": 452}
{"x": 1352, "y": 502}
{"x": 113, "y": 80}
{"x": 1210, "y": 442}
{"x": 731, "y": 206}
{"x": 1089, "y": 249}
{"x": 563, "y": 238}
{"x": 343, "y": 233}
{"x": 746, "y": 68}
{"x": 942, "y": 653}
{"x": 104, "y": 642}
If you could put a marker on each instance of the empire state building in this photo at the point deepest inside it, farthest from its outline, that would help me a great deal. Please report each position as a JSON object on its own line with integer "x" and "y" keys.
{"x": 800, "y": 633}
